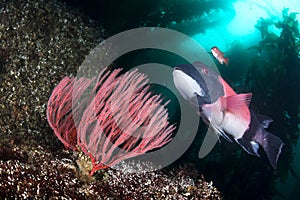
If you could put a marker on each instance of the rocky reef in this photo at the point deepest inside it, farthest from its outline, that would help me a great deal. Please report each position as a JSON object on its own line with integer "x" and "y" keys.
{"x": 31, "y": 171}
{"x": 41, "y": 42}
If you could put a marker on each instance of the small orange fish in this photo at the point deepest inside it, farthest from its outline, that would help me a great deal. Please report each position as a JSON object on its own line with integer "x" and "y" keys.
{"x": 219, "y": 55}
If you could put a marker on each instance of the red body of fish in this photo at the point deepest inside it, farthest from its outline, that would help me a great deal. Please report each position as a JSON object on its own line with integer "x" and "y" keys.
{"x": 230, "y": 113}
{"x": 219, "y": 55}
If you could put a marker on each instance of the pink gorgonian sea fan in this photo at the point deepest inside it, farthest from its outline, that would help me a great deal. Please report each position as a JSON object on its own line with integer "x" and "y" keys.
{"x": 60, "y": 112}
{"x": 120, "y": 119}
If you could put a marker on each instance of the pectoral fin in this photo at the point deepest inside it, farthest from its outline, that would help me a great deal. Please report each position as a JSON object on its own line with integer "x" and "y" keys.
{"x": 235, "y": 102}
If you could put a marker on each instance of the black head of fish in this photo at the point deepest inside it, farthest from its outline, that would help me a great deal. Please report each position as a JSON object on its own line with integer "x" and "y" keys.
{"x": 211, "y": 79}
{"x": 194, "y": 74}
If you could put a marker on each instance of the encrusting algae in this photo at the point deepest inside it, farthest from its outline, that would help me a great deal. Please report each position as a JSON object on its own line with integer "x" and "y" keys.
{"x": 31, "y": 171}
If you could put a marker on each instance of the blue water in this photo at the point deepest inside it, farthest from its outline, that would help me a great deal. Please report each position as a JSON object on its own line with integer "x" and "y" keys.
{"x": 241, "y": 27}
{"x": 242, "y": 20}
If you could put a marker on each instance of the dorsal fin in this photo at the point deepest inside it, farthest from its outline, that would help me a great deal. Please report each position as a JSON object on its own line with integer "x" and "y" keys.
{"x": 228, "y": 91}
{"x": 264, "y": 120}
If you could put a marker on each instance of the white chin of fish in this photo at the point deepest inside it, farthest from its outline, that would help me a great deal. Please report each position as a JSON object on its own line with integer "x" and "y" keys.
{"x": 186, "y": 85}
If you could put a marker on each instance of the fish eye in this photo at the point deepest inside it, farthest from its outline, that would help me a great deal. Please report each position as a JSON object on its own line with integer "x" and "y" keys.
{"x": 204, "y": 71}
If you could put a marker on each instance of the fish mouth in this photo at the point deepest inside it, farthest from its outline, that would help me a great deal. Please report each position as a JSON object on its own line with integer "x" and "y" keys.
{"x": 177, "y": 68}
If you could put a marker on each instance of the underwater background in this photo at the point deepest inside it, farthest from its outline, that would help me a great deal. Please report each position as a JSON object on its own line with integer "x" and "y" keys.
{"x": 43, "y": 41}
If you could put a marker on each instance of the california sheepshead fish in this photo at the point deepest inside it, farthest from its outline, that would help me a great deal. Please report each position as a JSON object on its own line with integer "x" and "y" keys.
{"x": 225, "y": 112}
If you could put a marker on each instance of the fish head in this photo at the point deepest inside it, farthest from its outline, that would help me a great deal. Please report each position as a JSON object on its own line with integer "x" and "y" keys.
{"x": 190, "y": 84}
{"x": 212, "y": 81}
{"x": 214, "y": 48}
{"x": 215, "y": 51}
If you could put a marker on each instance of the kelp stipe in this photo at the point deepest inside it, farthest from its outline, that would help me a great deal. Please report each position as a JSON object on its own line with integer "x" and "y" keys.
{"x": 275, "y": 75}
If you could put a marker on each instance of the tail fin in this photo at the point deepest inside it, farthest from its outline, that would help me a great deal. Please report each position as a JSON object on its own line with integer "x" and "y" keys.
{"x": 271, "y": 144}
